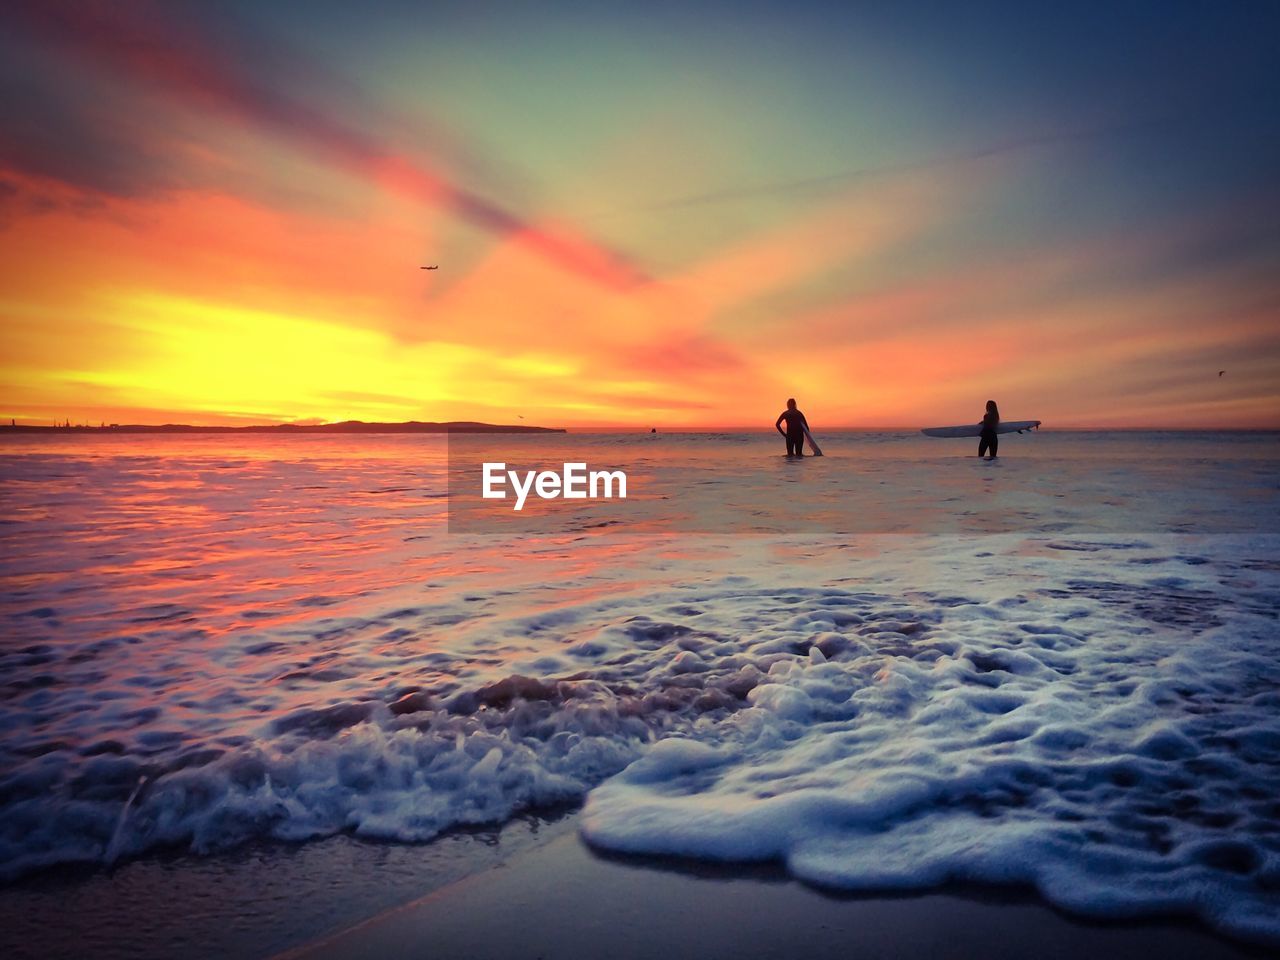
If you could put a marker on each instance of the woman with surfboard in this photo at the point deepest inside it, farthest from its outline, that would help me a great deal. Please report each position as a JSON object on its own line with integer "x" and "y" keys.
{"x": 990, "y": 424}
{"x": 986, "y": 430}
{"x": 797, "y": 431}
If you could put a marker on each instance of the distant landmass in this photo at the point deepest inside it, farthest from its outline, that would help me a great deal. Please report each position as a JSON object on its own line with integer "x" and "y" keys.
{"x": 346, "y": 426}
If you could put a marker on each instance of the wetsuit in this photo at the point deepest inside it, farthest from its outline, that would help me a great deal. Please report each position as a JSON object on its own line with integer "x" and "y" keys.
{"x": 796, "y": 424}
{"x": 988, "y": 438}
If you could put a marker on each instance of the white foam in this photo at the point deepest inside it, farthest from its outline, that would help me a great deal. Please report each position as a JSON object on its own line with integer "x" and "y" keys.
{"x": 1094, "y": 718}
{"x": 1094, "y": 745}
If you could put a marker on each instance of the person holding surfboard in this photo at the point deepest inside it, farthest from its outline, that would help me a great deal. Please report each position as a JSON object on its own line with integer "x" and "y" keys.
{"x": 990, "y": 424}
{"x": 796, "y": 427}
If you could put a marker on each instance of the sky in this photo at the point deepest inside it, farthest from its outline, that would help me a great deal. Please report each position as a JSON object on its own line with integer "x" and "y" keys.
{"x": 670, "y": 215}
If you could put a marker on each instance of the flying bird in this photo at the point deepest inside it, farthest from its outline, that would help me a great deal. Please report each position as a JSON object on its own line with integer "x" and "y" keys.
{"x": 432, "y": 267}
{"x": 1221, "y": 372}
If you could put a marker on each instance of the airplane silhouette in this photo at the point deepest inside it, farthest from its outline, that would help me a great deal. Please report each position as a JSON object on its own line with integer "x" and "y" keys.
{"x": 435, "y": 267}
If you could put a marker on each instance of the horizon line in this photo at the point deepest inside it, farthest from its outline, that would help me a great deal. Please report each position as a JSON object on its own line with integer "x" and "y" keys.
{"x": 177, "y": 426}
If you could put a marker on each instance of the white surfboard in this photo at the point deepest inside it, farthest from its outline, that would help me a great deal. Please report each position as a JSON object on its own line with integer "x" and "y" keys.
{"x": 813, "y": 444}
{"x": 975, "y": 429}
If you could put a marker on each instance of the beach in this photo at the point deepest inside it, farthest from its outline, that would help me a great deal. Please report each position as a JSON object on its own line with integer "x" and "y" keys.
{"x": 269, "y": 689}
{"x": 561, "y": 901}
{"x": 534, "y": 889}
{"x": 667, "y": 480}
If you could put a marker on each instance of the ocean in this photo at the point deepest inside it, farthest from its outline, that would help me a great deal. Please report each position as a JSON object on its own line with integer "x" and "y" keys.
{"x": 888, "y": 668}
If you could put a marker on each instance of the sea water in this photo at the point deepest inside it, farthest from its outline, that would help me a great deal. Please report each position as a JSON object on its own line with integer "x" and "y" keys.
{"x": 887, "y": 668}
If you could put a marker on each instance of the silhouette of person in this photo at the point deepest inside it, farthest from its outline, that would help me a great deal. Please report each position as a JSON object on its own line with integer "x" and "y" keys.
{"x": 988, "y": 438}
{"x": 796, "y": 426}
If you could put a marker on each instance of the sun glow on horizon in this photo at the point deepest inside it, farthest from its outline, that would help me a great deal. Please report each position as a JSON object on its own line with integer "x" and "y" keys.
{"x": 216, "y": 238}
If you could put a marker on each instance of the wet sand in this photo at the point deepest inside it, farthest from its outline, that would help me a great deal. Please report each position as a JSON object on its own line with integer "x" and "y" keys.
{"x": 562, "y": 900}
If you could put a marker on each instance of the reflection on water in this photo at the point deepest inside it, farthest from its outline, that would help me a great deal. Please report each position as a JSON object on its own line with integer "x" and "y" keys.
{"x": 883, "y": 483}
{"x": 268, "y": 565}
{"x": 209, "y": 638}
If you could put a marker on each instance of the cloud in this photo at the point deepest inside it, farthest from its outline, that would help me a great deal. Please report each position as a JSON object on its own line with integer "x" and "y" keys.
{"x": 370, "y": 398}
{"x": 840, "y": 179}
{"x": 205, "y": 66}
{"x": 684, "y": 354}
{"x": 49, "y": 130}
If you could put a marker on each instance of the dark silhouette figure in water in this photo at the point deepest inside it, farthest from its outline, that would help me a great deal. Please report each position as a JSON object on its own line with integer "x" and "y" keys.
{"x": 796, "y": 426}
{"x": 988, "y": 437}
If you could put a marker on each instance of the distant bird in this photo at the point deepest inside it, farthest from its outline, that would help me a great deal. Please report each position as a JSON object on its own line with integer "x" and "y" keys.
{"x": 1221, "y": 372}
{"x": 518, "y": 415}
{"x": 435, "y": 266}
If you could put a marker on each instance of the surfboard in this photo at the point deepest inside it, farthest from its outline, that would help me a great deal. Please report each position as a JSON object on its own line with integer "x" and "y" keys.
{"x": 975, "y": 429}
{"x": 813, "y": 444}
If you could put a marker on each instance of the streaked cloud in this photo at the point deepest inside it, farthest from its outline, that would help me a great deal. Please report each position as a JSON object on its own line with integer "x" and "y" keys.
{"x": 219, "y": 212}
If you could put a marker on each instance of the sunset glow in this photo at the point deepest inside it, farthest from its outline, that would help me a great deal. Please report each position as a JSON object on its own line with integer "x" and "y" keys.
{"x": 217, "y": 214}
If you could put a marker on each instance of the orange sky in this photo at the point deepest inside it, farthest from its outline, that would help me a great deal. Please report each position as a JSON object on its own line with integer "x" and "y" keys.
{"x": 197, "y": 240}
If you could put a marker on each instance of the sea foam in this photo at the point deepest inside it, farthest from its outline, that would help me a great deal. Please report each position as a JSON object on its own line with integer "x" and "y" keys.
{"x": 1095, "y": 716}
{"x": 1072, "y": 740}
